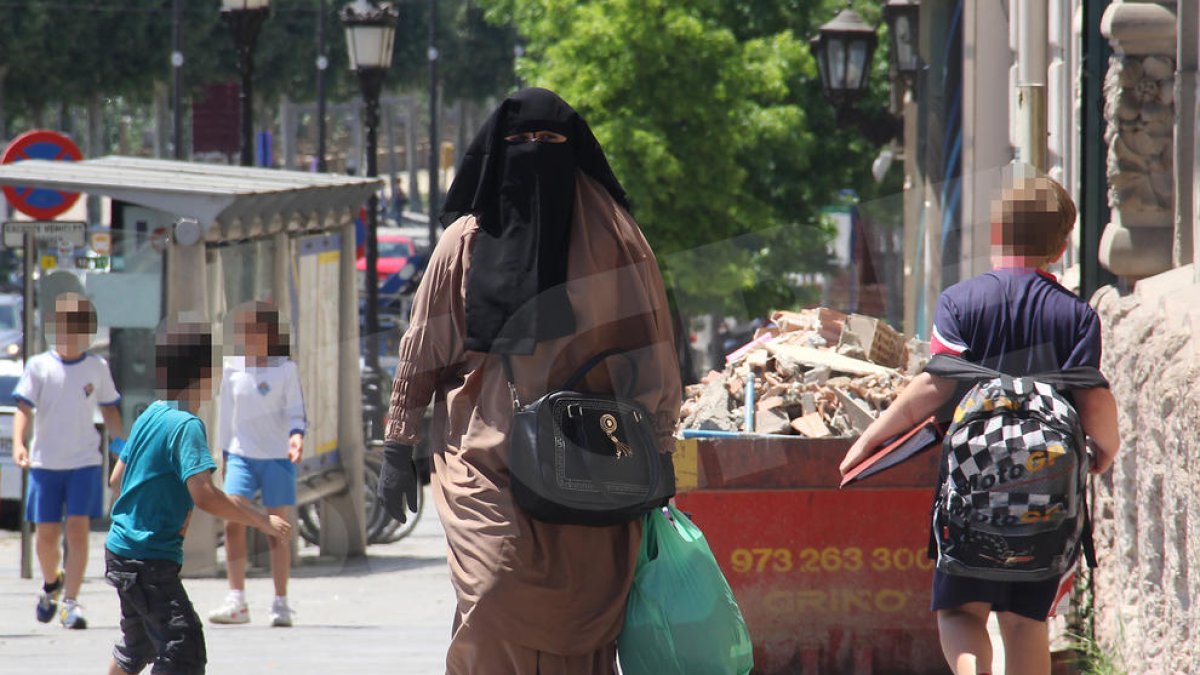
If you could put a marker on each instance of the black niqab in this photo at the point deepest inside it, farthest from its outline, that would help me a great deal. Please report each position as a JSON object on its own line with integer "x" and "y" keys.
{"x": 523, "y": 195}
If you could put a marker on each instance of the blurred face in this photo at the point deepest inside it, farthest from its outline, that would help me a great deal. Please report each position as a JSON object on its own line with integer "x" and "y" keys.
{"x": 251, "y": 336}
{"x": 204, "y": 388}
{"x": 74, "y": 323}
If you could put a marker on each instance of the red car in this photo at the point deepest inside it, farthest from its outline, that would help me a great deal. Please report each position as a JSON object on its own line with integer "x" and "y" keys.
{"x": 394, "y": 252}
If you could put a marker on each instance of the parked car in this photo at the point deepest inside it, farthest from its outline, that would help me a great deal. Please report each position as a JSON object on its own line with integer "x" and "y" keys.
{"x": 10, "y": 473}
{"x": 11, "y": 336}
{"x": 394, "y": 253}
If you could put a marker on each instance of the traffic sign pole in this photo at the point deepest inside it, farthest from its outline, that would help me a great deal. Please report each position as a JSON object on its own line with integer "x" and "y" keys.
{"x": 27, "y": 345}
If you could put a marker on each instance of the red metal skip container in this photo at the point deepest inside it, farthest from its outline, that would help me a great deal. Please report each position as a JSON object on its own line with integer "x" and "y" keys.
{"x": 829, "y": 580}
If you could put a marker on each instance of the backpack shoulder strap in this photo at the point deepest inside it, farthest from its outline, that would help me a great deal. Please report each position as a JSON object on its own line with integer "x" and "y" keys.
{"x": 958, "y": 368}
{"x": 1074, "y": 378}
{"x": 1089, "y": 545}
{"x": 1067, "y": 379}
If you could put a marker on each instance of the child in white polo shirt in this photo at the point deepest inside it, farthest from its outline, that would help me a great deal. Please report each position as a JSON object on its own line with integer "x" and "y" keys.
{"x": 65, "y": 385}
{"x": 261, "y": 432}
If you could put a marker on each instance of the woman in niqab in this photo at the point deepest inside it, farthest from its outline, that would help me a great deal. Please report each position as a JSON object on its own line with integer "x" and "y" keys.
{"x": 540, "y": 264}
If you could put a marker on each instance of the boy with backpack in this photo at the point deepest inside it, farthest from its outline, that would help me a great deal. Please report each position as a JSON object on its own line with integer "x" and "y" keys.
{"x": 164, "y": 470}
{"x": 1014, "y": 466}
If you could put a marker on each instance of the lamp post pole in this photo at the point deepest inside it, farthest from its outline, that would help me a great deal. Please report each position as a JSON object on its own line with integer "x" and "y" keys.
{"x": 434, "y": 197}
{"x": 177, "y": 80}
{"x": 322, "y": 66}
{"x": 371, "y": 82}
{"x": 245, "y": 19}
{"x": 370, "y": 30}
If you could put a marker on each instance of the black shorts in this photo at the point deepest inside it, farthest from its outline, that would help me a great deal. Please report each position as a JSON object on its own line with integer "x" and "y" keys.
{"x": 158, "y": 622}
{"x": 1030, "y": 599}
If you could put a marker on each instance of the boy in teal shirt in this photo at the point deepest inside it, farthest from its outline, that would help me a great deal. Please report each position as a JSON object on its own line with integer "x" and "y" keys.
{"x": 162, "y": 472}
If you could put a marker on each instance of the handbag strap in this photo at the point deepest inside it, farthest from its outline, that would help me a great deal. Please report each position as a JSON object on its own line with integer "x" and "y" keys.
{"x": 575, "y": 378}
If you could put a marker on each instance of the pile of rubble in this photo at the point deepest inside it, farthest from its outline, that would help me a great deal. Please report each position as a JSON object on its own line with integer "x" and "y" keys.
{"x": 817, "y": 373}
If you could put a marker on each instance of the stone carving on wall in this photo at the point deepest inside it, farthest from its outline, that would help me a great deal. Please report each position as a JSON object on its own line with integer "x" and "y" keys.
{"x": 1139, "y": 112}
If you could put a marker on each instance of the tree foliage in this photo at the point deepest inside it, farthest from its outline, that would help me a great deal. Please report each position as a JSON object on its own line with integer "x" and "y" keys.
{"x": 710, "y": 112}
{"x": 65, "y": 52}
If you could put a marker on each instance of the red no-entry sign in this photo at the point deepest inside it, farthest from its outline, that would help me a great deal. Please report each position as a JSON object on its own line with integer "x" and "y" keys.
{"x": 36, "y": 202}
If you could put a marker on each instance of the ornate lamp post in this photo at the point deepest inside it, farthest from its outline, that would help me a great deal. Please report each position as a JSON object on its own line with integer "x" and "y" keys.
{"x": 370, "y": 35}
{"x": 843, "y": 49}
{"x": 903, "y": 20}
{"x": 245, "y": 19}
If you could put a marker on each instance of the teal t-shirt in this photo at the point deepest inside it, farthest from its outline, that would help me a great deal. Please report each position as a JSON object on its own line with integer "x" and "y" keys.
{"x": 165, "y": 447}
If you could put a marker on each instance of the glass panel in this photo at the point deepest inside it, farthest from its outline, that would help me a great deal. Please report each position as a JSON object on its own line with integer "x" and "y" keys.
{"x": 129, "y": 302}
{"x": 856, "y": 66}
{"x": 905, "y": 40}
{"x": 837, "y": 65}
{"x": 823, "y": 64}
{"x": 370, "y": 46}
{"x": 247, "y": 272}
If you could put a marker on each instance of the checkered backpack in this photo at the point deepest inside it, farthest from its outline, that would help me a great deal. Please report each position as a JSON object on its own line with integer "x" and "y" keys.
{"x": 1012, "y": 499}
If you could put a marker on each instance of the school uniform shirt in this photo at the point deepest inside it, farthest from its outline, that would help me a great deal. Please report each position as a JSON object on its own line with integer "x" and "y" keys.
{"x": 261, "y": 406}
{"x": 64, "y": 395}
{"x": 166, "y": 447}
{"x": 1017, "y": 321}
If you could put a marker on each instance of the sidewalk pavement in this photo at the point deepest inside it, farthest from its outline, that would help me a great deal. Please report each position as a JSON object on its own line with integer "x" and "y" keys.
{"x": 388, "y": 612}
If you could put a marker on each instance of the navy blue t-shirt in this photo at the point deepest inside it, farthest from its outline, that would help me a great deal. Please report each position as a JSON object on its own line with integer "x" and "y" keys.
{"x": 1016, "y": 321}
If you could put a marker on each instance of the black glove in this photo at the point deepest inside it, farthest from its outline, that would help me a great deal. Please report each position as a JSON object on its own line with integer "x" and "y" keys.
{"x": 397, "y": 481}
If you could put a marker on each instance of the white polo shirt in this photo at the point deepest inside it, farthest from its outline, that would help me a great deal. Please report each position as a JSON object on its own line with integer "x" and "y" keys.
{"x": 261, "y": 406}
{"x": 64, "y": 395}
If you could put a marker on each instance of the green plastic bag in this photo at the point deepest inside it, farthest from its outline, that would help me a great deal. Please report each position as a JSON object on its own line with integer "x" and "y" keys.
{"x": 681, "y": 618}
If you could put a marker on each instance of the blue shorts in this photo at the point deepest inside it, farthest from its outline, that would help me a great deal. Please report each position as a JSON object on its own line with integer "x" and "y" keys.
{"x": 80, "y": 490}
{"x": 276, "y": 478}
{"x": 1030, "y": 599}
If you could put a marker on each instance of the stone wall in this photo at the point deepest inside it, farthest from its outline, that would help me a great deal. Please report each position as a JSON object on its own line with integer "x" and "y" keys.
{"x": 1148, "y": 506}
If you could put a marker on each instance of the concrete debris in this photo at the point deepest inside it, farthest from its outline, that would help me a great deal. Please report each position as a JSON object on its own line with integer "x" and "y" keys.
{"x": 772, "y": 421}
{"x": 811, "y": 426}
{"x": 816, "y": 373}
{"x": 711, "y": 408}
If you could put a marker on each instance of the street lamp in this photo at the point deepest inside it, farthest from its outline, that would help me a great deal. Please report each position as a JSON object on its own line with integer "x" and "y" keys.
{"x": 370, "y": 35}
{"x": 844, "y": 48}
{"x": 902, "y": 17}
{"x": 245, "y": 19}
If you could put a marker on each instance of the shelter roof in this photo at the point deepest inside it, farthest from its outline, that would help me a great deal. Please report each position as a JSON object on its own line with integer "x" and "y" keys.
{"x": 230, "y": 202}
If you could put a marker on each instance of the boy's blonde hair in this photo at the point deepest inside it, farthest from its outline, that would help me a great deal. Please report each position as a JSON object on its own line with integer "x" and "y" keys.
{"x": 1032, "y": 218}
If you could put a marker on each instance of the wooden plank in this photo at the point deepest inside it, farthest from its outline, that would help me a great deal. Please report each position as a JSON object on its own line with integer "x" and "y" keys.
{"x": 815, "y": 358}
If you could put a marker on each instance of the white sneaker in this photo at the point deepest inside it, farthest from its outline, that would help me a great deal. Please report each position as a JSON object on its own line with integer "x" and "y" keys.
{"x": 233, "y": 611}
{"x": 281, "y": 614}
{"x": 71, "y": 614}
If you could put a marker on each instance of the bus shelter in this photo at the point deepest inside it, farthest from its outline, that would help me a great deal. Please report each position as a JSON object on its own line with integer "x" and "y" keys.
{"x": 191, "y": 241}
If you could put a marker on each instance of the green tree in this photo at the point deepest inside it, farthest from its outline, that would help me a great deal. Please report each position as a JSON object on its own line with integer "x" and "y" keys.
{"x": 475, "y": 57}
{"x": 710, "y": 112}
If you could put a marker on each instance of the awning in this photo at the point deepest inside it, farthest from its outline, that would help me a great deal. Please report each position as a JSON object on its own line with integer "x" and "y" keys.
{"x": 230, "y": 202}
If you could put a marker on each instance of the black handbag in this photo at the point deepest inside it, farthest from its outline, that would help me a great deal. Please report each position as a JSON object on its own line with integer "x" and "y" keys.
{"x": 586, "y": 459}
